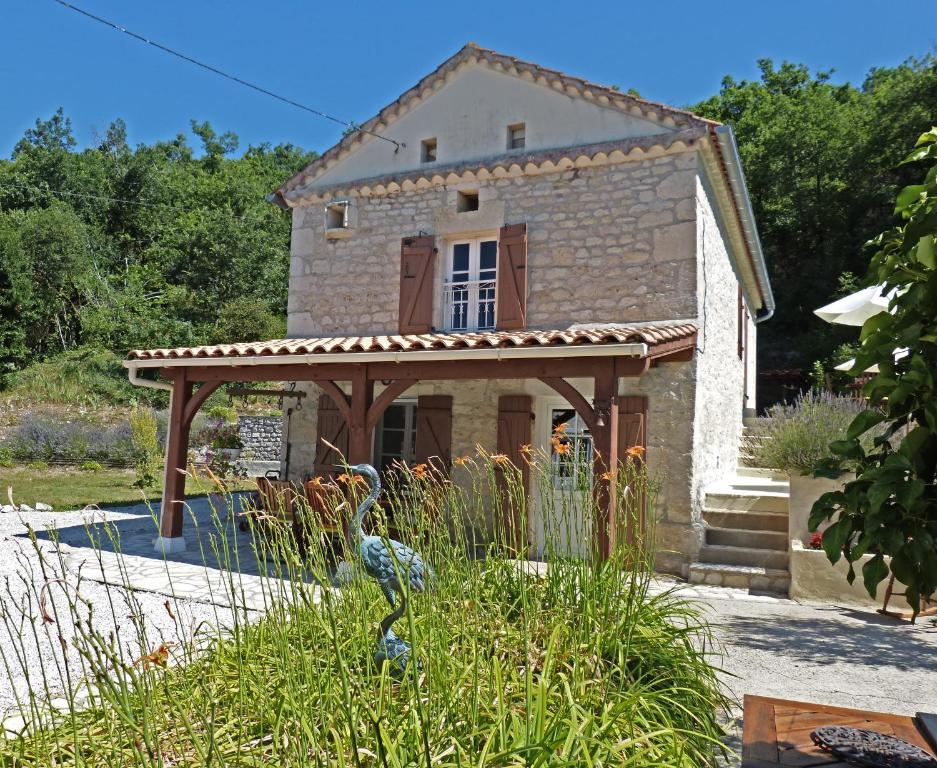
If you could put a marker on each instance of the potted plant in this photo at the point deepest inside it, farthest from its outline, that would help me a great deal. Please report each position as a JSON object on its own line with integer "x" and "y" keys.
{"x": 795, "y": 439}
{"x": 223, "y": 439}
{"x": 227, "y": 441}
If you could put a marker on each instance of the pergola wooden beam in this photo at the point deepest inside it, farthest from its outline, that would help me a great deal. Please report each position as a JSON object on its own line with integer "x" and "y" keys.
{"x": 362, "y": 410}
{"x": 536, "y": 368}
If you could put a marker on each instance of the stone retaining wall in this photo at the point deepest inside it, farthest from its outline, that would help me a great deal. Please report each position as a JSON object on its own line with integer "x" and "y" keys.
{"x": 261, "y": 436}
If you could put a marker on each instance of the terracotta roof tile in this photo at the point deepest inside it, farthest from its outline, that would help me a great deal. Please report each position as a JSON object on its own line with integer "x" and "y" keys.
{"x": 645, "y": 333}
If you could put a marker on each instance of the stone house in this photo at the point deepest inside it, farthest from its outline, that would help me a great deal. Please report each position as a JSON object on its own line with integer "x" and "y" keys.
{"x": 505, "y": 248}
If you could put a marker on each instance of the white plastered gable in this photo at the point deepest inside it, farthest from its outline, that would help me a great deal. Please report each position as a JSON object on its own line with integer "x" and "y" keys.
{"x": 469, "y": 115}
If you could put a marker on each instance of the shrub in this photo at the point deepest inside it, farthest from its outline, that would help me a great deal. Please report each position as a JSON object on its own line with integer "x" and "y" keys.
{"x": 6, "y": 456}
{"x": 247, "y": 319}
{"x": 797, "y": 436}
{"x": 146, "y": 448}
{"x": 91, "y": 466}
{"x": 38, "y": 465}
{"x": 223, "y": 413}
{"x": 218, "y": 434}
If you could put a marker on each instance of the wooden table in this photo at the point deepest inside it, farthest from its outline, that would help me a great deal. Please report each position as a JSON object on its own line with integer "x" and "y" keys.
{"x": 776, "y": 732}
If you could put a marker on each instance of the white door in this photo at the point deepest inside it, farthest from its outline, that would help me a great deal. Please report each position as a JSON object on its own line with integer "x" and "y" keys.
{"x": 560, "y": 520}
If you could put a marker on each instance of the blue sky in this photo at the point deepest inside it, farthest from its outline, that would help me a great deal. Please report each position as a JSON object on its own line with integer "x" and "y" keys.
{"x": 351, "y": 58}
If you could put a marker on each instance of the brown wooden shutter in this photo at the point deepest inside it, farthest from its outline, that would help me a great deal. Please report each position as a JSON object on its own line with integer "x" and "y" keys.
{"x": 632, "y": 426}
{"x": 515, "y": 418}
{"x": 632, "y": 434}
{"x": 417, "y": 269}
{"x": 434, "y": 431}
{"x": 512, "y": 277}
{"x": 330, "y": 425}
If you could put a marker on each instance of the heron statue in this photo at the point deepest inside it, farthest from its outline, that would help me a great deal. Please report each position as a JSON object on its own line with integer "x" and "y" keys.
{"x": 388, "y": 562}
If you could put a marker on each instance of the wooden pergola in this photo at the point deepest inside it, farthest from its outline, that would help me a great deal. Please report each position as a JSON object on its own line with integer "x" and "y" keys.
{"x": 398, "y": 362}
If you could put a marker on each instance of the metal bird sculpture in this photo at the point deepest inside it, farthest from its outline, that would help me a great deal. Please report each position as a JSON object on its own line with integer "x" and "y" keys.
{"x": 388, "y": 562}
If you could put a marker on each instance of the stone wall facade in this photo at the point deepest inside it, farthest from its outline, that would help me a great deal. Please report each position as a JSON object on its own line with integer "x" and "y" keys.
{"x": 717, "y": 426}
{"x": 627, "y": 242}
{"x": 612, "y": 243}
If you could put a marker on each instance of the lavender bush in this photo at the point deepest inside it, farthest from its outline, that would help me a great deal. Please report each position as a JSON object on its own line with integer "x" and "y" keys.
{"x": 42, "y": 437}
{"x": 797, "y": 436}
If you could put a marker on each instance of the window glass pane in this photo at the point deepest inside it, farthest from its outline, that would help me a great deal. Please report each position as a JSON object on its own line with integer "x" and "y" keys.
{"x": 562, "y": 416}
{"x": 488, "y": 255}
{"x": 392, "y": 442}
{"x": 571, "y": 449}
{"x": 460, "y": 261}
{"x": 395, "y": 416}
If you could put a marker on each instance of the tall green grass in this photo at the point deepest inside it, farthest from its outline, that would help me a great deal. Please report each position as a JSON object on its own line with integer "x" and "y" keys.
{"x": 573, "y": 662}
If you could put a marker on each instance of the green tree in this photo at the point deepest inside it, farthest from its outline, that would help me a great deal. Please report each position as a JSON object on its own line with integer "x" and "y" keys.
{"x": 890, "y": 509}
{"x": 247, "y": 319}
{"x": 820, "y": 163}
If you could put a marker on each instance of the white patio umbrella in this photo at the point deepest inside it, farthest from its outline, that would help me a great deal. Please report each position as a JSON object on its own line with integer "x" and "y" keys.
{"x": 857, "y": 307}
{"x": 847, "y": 366}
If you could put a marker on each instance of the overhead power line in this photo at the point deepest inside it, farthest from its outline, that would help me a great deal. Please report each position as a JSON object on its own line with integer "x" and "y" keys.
{"x": 222, "y": 73}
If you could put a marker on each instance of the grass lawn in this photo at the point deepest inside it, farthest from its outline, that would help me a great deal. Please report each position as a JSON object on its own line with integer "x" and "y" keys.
{"x": 70, "y": 488}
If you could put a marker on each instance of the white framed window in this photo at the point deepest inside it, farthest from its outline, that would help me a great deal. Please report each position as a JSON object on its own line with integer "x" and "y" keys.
{"x": 395, "y": 436}
{"x": 570, "y": 449}
{"x": 470, "y": 290}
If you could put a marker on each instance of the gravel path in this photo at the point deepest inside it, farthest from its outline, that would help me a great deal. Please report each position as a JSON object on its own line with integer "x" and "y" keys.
{"x": 39, "y": 655}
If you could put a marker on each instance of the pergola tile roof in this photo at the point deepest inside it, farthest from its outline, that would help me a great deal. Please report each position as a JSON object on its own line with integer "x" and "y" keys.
{"x": 652, "y": 334}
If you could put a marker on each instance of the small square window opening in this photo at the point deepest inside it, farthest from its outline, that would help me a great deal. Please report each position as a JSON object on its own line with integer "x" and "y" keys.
{"x": 336, "y": 215}
{"x": 467, "y": 201}
{"x": 428, "y": 151}
{"x": 517, "y": 136}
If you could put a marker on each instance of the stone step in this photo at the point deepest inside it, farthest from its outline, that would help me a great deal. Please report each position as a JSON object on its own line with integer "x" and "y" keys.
{"x": 761, "y": 501}
{"x": 756, "y": 485}
{"x": 769, "y": 474}
{"x": 769, "y": 580}
{"x": 747, "y": 521}
{"x": 748, "y": 539}
{"x": 728, "y": 555}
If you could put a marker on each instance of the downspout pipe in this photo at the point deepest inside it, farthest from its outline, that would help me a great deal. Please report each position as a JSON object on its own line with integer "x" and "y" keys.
{"x": 133, "y": 374}
{"x": 733, "y": 165}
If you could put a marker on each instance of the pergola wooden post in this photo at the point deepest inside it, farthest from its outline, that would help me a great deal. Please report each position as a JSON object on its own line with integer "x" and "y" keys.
{"x": 183, "y": 405}
{"x": 605, "y": 444}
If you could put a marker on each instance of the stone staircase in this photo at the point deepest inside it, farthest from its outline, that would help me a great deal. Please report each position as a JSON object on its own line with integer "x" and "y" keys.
{"x": 746, "y": 541}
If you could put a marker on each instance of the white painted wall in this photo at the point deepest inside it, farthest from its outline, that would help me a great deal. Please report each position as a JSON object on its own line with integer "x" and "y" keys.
{"x": 469, "y": 117}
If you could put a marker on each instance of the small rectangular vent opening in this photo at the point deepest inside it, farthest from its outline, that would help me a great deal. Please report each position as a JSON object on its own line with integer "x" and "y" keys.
{"x": 336, "y": 215}
{"x": 517, "y": 136}
{"x": 467, "y": 201}
{"x": 428, "y": 151}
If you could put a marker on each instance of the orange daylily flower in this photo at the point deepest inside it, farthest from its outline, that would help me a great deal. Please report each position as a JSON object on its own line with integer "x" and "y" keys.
{"x": 157, "y": 658}
{"x": 419, "y": 470}
{"x": 461, "y": 460}
{"x": 560, "y": 429}
{"x": 561, "y": 448}
{"x": 349, "y": 479}
{"x": 315, "y": 482}
{"x": 607, "y": 476}
{"x": 525, "y": 448}
{"x": 500, "y": 459}
{"x": 635, "y": 451}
